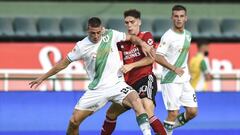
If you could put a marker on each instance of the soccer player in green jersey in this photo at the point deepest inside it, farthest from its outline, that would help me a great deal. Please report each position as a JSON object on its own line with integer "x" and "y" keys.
{"x": 172, "y": 54}
{"x": 102, "y": 62}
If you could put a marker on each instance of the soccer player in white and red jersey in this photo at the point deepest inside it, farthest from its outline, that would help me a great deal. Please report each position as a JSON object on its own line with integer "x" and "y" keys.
{"x": 138, "y": 73}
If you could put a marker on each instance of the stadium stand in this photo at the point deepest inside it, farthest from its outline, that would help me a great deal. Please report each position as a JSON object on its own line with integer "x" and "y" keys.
{"x": 209, "y": 28}
{"x": 146, "y": 25}
{"x": 73, "y": 28}
{"x": 116, "y": 23}
{"x": 231, "y": 28}
{"x": 160, "y": 25}
{"x": 6, "y": 29}
{"x": 48, "y": 27}
{"x": 192, "y": 25}
{"x": 25, "y": 27}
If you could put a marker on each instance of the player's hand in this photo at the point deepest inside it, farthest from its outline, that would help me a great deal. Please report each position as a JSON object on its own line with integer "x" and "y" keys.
{"x": 126, "y": 68}
{"x": 34, "y": 84}
{"x": 148, "y": 51}
{"x": 179, "y": 71}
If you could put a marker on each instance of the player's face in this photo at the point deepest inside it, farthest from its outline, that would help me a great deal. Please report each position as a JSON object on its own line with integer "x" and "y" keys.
{"x": 179, "y": 18}
{"x": 95, "y": 33}
{"x": 132, "y": 24}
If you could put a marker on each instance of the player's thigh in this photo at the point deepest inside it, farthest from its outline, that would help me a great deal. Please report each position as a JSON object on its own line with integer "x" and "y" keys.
{"x": 92, "y": 100}
{"x": 132, "y": 100}
{"x": 188, "y": 97}
{"x": 147, "y": 87}
{"x": 126, "y": 96}
{"x": 122, "y": 93}
{"x": 171, "y": 93}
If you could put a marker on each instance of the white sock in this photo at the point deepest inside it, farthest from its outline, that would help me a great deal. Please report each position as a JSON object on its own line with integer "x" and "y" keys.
{"x": 168, "y": 125}
{"x": 145, "y": 127}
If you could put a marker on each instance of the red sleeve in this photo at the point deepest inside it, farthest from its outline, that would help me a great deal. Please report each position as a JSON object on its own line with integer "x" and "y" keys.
{"x": 148, "y": 38}
{"x": 119, "y": 45}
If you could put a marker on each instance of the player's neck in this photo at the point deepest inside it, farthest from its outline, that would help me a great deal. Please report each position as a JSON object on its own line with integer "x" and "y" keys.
{"x": 178, "y": 30}
{"x": 138, "y": 33}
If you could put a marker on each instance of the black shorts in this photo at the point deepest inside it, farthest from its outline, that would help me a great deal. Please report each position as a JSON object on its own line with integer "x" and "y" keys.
{"x": 146, "y": 87}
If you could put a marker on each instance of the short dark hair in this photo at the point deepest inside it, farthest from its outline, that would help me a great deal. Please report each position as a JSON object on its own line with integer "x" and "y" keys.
{"x": 179, "y": 7}
{"x": 132, "y": 12}
{"x": 202, "y": 42}
{"x": 94, "y": 22}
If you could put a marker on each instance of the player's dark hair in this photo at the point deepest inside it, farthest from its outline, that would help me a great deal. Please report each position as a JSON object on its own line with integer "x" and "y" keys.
{"x": 132, "y": 12}
{"x": 94, "y": 22}
{"x": 178, "y": 8}
{"x": 202, "y": 42}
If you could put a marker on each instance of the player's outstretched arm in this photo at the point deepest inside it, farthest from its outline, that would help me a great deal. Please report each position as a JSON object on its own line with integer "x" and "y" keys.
{"x": 162, "y": 61}
{"x": 58, "y": 67}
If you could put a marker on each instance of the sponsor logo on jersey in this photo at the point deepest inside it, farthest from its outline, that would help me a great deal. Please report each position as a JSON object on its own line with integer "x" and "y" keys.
{"x": 131, "y": 54}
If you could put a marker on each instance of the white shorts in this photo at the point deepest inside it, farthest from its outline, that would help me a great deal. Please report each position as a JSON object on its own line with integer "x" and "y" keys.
{"x": 93, "y": 100}
{"x": 178, "y": 94}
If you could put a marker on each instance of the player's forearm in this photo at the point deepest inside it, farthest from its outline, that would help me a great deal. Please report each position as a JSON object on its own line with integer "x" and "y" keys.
{"x": 143, "y": 62}
{"x": 162, "y": 61}
{"x": 57, "y": 68}
{"x": 50, "y": 73}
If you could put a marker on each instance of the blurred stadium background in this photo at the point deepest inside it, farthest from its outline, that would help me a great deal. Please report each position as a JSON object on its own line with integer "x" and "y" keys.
{"x": 36, "y": 34}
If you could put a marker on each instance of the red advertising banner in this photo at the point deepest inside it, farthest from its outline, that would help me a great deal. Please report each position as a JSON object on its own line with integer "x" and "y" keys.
{"x": 32, "y": 59}
{"x": 228, "y": 52}
{"x": 31, "y": 55}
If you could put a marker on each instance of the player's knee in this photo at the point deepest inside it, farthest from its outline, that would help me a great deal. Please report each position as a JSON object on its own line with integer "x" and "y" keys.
{"x": 173, "y": 114}
{"x": 74, "y": 123}
{"x": 191, "y": 113}
{"x": 111, "y": 114}
{"x": 136, "y": 101}
{"x": 137, "y": 106}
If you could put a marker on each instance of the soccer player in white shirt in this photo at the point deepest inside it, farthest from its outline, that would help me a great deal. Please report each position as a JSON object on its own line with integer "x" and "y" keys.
{"x": 172, "y": 54}
{"x": 102, "y": 62}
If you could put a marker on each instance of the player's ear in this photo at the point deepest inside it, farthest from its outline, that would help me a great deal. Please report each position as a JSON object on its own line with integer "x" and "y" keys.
{"x": 186, "y": 18}
{"x": 103, "y": 30}
{"x": 140, "y": 22}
